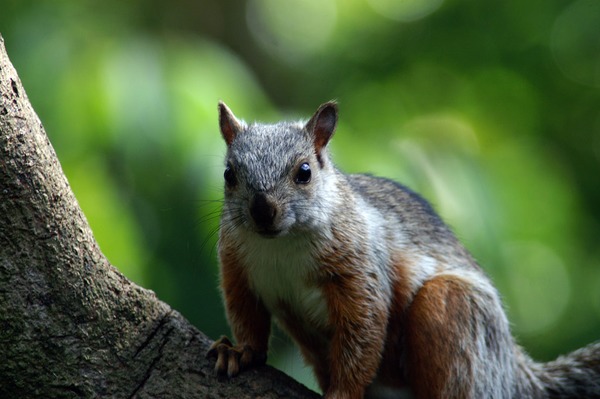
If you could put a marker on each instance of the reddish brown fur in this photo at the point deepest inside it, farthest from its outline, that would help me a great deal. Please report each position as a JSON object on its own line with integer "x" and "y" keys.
{"x": 391, "y": 368}
{"x": 358, "y": 338}
{"x": 437, "y": 322}
{"x": 357, "y": 316}
{"x": 249, "y": 318}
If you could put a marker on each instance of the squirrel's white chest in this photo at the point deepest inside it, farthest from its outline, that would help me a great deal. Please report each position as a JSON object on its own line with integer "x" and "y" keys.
{"x": 280, "y": 273}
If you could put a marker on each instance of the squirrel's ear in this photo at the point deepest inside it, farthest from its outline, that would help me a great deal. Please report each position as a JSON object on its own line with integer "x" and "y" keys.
{"x": 228, "y": 123}
{"x": 322, "y": 124}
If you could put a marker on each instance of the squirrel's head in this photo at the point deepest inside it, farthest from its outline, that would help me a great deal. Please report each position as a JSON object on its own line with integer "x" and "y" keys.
{"x": 275, "y": 173}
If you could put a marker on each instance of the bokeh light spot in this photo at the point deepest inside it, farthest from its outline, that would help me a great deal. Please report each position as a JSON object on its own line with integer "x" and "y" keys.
{"x": 539, "y": 285}
{"x": 405, "y": 10}
{"x": 292, "y": 29}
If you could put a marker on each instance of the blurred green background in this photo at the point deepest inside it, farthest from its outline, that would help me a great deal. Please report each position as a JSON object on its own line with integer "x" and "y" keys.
{"x": 490, "y": 109}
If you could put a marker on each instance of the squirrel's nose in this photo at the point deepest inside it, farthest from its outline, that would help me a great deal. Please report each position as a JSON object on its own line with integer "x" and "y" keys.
{"x": 263, "y": 211}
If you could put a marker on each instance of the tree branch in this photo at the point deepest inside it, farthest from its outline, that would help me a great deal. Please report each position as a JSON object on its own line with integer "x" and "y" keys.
{"x": 71, "y": 325}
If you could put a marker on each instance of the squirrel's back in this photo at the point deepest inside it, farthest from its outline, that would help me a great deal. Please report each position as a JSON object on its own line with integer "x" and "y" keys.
{"x": 408, "y": 211}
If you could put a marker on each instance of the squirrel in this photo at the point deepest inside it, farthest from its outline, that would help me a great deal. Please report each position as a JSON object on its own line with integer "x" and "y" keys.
{"x": 370, "y": 283}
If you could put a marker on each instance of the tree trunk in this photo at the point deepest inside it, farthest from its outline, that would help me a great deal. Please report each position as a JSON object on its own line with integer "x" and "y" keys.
{"x": 71, "y": 325}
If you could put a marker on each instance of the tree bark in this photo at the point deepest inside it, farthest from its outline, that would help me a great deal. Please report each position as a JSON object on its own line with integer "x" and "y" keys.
{"x": 71, "y": 325}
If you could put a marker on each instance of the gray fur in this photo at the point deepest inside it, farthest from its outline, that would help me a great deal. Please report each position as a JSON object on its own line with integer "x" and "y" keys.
{"x": 265, "y": 154}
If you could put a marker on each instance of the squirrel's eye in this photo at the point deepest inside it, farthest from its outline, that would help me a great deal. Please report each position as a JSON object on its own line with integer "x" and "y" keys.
{"x": 303, "y": 175}
{"x": 229, "y": 176}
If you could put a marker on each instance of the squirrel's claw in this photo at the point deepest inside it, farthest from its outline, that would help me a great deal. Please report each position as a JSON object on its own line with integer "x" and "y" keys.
{"x": 213, "y": 351}
{"x": 233, "y": 359}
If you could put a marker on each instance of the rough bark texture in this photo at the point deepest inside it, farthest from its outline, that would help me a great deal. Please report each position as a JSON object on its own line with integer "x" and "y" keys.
{"x": 70, "y": 324}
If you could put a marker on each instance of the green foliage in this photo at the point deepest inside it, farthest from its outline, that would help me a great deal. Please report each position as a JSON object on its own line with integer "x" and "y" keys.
{"x": 488, "y": 109}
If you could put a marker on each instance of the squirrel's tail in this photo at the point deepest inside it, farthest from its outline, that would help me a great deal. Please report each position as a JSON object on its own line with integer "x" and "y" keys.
{"x": 576, "y": 375}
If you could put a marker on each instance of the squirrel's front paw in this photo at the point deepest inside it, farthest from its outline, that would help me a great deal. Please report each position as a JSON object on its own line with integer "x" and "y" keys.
{"x": 233, "y": 359}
